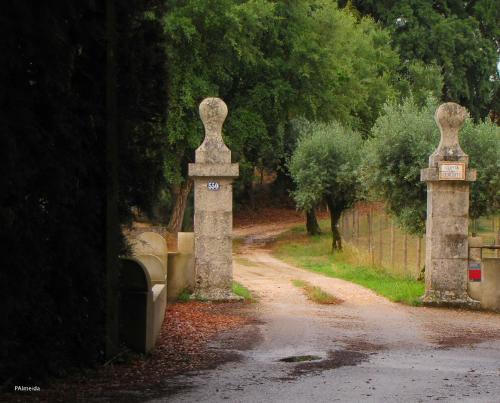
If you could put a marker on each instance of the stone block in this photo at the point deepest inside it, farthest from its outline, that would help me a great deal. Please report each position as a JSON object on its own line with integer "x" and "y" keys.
{"x": 490, "y": 284}
{"x": 448, "y": 201}
{"x": 213, "y": 200}
{"x": 454, "y": 246}
{"x": 213, "y": 224}
{"x": 214, "y": 170}
{"x": 449, "y": 274}
{"x": 180, "y": 274}
{"x": 185, "y": 242}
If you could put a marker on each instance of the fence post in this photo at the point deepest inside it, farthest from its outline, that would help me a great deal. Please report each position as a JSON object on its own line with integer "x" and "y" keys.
{"x": 357, "y": 227}
{"x": 370, "y": 235}
{"x": 353, "y": 222}
{"x": 406, "y": 253}
{"x": 419, "y": 252}
{"x": 393, "y": 239}
{"x": 497, "y": 240}
{"x": 380, "y": 236}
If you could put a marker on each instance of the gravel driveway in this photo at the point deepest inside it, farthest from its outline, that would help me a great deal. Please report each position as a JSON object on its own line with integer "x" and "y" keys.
{"x": 366, "y": 349}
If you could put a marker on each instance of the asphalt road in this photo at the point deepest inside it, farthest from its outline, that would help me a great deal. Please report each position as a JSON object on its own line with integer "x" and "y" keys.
{"x": 366, "y": 349}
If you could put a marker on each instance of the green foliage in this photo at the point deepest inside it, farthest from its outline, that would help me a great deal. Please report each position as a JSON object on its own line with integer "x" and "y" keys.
{"x": 325, "y": 165}
{"x": 184, "y": 296}
{"x": 271, "y": 62}
{"x": 212, "y": 50}
{"x": 324, "y": 168}
{"x": 482, "y": 142}
{"x": 420, "y": 81}
{"x": 316, "y": 294}
{"x": 459, "y": 36}
{"x": 402, "y": 139}
{"x": 242, "y": 291}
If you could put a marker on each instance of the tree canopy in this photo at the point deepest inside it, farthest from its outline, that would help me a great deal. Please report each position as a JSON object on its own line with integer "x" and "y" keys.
{"x": 402, "y": 139}
{"x": 462, "y": 37}
{"x": 270, "y": 62}
{"x": 324, "y": 167}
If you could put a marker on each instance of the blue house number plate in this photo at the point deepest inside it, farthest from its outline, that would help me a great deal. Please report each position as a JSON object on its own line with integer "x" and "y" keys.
{"x": 214, "y": 186}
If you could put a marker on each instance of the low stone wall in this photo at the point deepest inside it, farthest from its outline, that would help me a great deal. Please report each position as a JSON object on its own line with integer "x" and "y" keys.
{"x": 180, "y": 273}
{"x": 487, "y": 291}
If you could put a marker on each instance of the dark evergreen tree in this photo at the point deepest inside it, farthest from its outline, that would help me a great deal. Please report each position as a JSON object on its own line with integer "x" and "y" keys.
{"x": 58, "y": 127}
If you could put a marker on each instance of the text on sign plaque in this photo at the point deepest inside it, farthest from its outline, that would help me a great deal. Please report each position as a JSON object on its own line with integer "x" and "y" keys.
{"x": 452, "y": 171}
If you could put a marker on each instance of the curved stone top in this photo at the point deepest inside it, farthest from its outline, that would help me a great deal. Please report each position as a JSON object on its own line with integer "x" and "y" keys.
{"x": 450, "y": 118}
{"x": 213, "y": 112}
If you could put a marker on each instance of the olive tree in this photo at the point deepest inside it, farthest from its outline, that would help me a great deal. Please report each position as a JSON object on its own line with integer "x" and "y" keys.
{"x": 324, "y": 167}
{"x": 401, "y": 141}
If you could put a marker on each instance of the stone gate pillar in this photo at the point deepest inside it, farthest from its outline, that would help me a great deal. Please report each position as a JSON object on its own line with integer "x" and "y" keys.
{"x": 213, "y": 174}
{"x": 448, "y": 178}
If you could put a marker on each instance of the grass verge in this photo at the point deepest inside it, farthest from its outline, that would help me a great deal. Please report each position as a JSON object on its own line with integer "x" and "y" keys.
{"x": 184, "y": 296}
{"x": 316, "y": 294}
{"x": 242, "y": 291}
{"x": 238, "y": 289}
{"x": 313, "y": 253}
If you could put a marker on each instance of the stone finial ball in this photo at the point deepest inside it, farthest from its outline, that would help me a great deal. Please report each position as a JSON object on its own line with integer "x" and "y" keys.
{"x": 451, "y": 116}
{"x": 213, "y": 112}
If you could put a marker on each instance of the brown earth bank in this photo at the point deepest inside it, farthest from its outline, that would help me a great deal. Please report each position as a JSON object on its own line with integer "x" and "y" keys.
{"x": 194, "y": 337}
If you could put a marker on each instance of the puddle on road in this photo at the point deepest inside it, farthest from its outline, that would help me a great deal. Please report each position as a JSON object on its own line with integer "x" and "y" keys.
{"x": 335, "y": 359}
{"x": 313, "y": 365}
{"x": 301, "y": 358}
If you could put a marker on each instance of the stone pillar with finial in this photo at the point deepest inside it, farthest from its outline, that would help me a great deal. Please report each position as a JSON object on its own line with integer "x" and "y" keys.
{"x": 448, "y": 178}
{"x": 213, "y": 174}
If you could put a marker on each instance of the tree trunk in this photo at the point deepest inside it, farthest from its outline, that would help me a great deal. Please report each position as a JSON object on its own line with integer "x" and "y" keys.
{"x": 312, "y": 225}
{"x": 181, "y": 196}
{"x": 335, "y": 214}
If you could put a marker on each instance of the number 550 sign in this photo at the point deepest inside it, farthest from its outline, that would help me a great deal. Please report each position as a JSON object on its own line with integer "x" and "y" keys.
{"x": 214, "y": 186}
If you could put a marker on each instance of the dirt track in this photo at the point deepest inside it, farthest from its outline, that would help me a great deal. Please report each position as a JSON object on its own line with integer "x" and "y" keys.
{"x": 365, "y": 349}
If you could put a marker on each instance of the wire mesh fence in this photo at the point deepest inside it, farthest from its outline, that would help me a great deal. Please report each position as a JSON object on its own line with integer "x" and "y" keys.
{"x": 379, "y": 242}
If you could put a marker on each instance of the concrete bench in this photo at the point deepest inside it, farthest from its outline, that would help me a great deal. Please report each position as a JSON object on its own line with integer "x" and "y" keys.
{"x": 151, "y": 243}
{"x": 154, "y": 267}
{"x": 143, "y": 301}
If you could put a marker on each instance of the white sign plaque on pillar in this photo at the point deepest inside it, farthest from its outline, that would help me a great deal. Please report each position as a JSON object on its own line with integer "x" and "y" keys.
{"x": 451, "y": 171}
